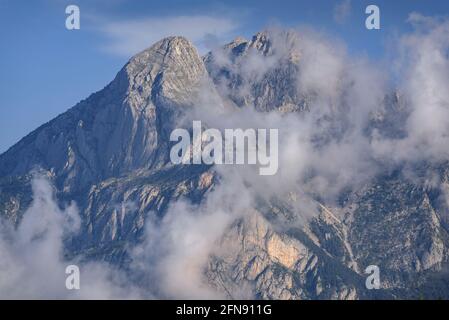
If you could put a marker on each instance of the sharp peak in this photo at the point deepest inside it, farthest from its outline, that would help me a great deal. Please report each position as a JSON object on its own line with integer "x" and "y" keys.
{"x": 269, "y": 34}
{"x": 261, "y": 34}
{"x": 169, "y": 52}
{"x": 167, "y": 45}
{"x": 256, "y": 37}
{"x": 236, "y": 42}
{"x": 263, "y": 40}
{"x": 175, "y": 40}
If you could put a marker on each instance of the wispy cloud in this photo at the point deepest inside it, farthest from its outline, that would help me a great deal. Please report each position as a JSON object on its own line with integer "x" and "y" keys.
{"x": 342, "y": 11}
{"x": 32, "y": 264}
{"x": 128, "y": 37}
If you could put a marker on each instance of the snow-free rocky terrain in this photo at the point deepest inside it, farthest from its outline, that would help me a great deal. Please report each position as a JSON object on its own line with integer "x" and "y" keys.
{"x": 109, "y": 154}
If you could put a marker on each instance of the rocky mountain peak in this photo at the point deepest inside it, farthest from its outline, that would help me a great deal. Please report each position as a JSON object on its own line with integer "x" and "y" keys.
{"x": 119, "y": 128}
{"x": 261, "y": 42}
{"x": 169, "y": 69}
{"x": 268, "y": 42}
{"x": 259, "y": 72}
{"x": 170, "y": 50}
{"x": 109, "y": 153}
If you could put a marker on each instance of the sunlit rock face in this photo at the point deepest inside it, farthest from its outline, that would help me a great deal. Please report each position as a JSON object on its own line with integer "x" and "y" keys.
{"x": 110, "y": 153}
{"x": 118, "y": 129}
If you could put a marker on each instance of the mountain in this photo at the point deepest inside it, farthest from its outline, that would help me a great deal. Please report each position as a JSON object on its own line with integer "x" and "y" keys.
{"x": 110, "y": 154}
{"x": 270, "y": 87}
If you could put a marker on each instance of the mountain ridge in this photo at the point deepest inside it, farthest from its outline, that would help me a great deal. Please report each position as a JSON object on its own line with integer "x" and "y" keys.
{"x": 110, "y": 153}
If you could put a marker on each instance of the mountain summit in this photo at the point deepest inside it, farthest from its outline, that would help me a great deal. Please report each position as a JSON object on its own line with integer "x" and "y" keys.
{"x": 117, "y": 129}
{"x": 110, "y": 154}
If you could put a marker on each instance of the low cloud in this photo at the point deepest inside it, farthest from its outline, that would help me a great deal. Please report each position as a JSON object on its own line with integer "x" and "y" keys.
{"x": 33, "y": 264}
{"x": 423, "y": 76}
{"x": 169, "y": 263}
{"x": 323, "y": 150}
{"x": 176, "y": 249}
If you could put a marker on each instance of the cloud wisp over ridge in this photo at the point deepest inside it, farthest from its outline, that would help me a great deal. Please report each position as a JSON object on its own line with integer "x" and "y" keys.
{"x": 128, "y": 37}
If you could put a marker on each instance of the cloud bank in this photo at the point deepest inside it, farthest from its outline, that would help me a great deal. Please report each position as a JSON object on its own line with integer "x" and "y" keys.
{"x": 33, "y": 264}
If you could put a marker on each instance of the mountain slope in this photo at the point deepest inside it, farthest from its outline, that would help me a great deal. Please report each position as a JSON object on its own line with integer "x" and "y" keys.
{"x": 110, "y": 153}
{"x": 118, "y": 129}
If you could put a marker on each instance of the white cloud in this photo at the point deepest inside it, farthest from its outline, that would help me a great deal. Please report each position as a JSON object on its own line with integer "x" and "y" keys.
{"x": 32, "y": 264}
{"x": 342, "y": 11}
{"x": 176, "y": 249}
{"x": 128, "y": 37}
{"x": 328, "y": 141}
{"x": 423, "y": 62}
{"x": 419, "y": 20}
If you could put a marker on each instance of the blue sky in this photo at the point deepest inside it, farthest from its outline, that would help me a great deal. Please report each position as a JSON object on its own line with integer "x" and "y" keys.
{"x": 46, "y": 69}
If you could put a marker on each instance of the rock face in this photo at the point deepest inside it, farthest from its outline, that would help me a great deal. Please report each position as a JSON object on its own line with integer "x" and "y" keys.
{"x": 246, "y": 79}
{"x": 407, "y": 218}
{"x": 118, "y": 129}
{"x": 279, "y": 266}
{"x": 110, "y": 153}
